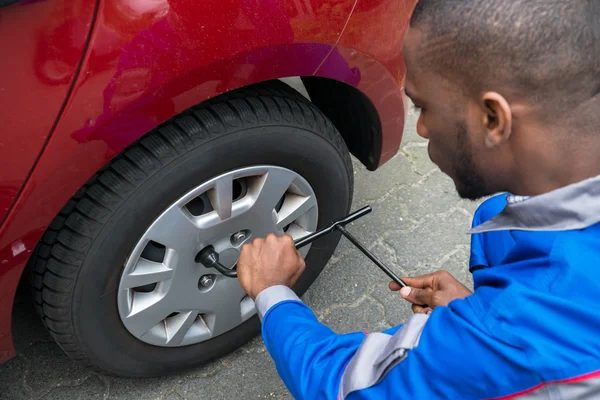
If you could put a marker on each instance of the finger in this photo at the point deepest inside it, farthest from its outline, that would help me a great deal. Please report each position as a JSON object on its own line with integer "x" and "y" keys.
{"x": 245, "y": 255}
{"x": 246, "y": 250}
{"x": 297, "y": 275}
{"x": 254, "y": 243}
{"x": 288, "y": 240}
{"x": 301, "y": 264}
{"x": 416, "y": 295}
{"x": 394, "y": 287}
{"x": 417, "y": 309}
{"x": 421, "y": 281}
{"x": 271, "y": 238}
{"x": 300, "y": 259}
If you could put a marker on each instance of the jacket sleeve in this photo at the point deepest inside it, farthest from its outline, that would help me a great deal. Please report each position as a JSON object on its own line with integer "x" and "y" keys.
{"x": 447, "y": 354}
{"x": 310, "y": 358}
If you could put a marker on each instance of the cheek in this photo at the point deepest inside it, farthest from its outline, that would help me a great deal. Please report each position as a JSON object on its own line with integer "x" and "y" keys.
{"x": 441, "y": 147}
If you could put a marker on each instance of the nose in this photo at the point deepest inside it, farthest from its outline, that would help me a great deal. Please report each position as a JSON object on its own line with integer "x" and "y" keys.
{"x": 421, "y": 128}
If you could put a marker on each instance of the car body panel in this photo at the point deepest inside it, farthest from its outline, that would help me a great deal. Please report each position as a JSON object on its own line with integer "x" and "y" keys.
{"x": 45, "y": 40}
{"x": 372, "y": 44}
{"x": 149, "y": 60}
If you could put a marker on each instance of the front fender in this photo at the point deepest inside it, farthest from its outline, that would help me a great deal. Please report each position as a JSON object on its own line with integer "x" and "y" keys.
{"x": 147, "y": 61}
{"x": 150, "y": 60}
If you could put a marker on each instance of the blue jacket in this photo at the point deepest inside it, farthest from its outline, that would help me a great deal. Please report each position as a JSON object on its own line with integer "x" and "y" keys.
{"x": 531, "y": 329}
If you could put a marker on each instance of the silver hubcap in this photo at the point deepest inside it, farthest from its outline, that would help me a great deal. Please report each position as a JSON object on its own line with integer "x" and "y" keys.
{"x": 165, "y": 297}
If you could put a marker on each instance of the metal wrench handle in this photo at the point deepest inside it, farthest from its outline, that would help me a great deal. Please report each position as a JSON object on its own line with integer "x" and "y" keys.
{"x": 308, "y": 239}
{"x": 339, "y": 225}
{"x": 367, "y": 253}
{"x": 210, "y": 258}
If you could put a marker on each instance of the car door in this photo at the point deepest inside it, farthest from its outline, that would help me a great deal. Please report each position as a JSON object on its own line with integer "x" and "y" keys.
{"x": 41, "y": 46}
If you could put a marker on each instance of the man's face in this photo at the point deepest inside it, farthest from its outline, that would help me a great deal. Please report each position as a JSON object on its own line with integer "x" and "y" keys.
{"x": 450, "y": 121}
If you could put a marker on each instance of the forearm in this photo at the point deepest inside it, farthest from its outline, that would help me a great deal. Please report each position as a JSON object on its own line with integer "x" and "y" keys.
{"x": 309, "y": 357}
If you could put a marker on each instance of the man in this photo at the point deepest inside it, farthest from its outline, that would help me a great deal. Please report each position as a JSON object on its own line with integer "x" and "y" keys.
{"x": 509, "y": 93}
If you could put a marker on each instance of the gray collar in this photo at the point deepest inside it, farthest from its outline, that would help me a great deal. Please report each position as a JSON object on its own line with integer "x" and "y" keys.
{"x": 575, "y": 206}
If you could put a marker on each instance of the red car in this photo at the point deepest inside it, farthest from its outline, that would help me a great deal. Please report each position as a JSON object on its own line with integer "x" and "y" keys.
{"x": 135, "y": 134}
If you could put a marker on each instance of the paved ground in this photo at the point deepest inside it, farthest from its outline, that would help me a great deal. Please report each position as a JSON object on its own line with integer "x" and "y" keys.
{"x": 418, "y": 225}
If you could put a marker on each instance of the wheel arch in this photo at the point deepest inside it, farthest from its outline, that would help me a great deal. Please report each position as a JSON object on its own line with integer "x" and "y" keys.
{"x": 355, "y": 117}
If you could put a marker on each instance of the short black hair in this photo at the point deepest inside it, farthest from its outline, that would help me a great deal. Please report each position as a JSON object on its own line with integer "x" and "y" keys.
{"x": 546, "y": 50}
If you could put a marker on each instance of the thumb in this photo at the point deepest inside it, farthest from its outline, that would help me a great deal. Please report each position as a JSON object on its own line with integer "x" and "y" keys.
{"x": 416, "y": 296}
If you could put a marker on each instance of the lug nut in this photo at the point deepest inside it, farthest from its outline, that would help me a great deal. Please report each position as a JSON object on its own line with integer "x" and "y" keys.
{"x": 207, "y": 281}
{"x": 239, "y": 237}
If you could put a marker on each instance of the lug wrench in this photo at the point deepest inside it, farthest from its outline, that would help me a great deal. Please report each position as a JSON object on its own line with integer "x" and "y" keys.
{"x": 210, "y": 258}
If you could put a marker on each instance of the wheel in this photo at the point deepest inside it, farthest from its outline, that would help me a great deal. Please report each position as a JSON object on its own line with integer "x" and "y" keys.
{"x": 116, "y": 278}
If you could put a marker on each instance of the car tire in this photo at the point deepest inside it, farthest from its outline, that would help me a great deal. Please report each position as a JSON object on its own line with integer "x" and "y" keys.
{"x": 78, "y": 263}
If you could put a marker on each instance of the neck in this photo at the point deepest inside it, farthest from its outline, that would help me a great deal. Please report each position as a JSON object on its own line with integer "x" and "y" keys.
{"x": 544, "y": 167}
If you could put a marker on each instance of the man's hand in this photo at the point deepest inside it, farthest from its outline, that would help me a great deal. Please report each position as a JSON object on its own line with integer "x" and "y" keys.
{"x": 431, "y": 290}
{"x": 268, "y": 262}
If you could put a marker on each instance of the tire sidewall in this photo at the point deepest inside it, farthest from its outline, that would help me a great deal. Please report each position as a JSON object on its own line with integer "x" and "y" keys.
{"x": 94, "y": 309}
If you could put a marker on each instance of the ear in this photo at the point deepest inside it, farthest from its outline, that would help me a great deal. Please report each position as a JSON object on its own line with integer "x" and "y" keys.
{"x": 497, "y": 119}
